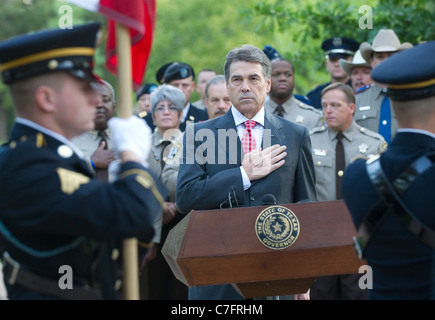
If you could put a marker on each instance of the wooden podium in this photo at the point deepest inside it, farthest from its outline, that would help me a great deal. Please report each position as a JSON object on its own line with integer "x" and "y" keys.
{"x": 221, "y": 246}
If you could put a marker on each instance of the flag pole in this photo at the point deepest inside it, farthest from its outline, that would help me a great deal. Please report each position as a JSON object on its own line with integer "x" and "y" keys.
{"x": 125, "y": 87}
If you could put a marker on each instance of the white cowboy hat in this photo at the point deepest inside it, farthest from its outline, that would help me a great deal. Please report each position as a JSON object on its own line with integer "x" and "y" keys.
{"x": 358, "y": 61}
{"x": 385, "y": 41}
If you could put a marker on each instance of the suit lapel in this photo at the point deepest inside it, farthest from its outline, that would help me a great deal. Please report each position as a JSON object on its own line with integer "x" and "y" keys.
{"x": 271, "y": 134}
{"x": 231, "y": 145}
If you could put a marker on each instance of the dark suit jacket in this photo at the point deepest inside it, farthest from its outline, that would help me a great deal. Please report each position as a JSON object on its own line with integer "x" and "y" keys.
{"x": 211, "y": 168}
{"x": 401, "y": 262}
{"x": 194, "y": 115}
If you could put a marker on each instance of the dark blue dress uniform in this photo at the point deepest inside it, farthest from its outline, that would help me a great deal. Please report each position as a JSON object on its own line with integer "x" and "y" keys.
{"x": 335, "y": 48}
{"x": 396, "y": 228}
{"x": 53, "y": 213}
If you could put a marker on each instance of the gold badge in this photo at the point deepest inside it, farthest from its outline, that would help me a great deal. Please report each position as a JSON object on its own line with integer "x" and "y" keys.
{"x": 142, "y": 114}
{"x": 277, "y": 227}
{"x": 64, "y": 151}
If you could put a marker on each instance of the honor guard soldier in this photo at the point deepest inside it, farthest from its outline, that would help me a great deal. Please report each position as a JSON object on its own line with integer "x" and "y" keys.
{"x": 334, "y": 146}
{"x": 372, "y": 105}
{"x": 335, "y": 49}
{"x": 55, "y": 217}
{"x": 282, "y": 101}
{"x": 390, "y": 197}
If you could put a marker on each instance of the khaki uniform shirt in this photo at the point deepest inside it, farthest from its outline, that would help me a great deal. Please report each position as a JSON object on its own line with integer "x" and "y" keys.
{"x": 171, "y": 155}
{"x": 368, "y": 109}
{"x": 357, "y": 142}
{"x": 89, "y": 141}
{"x": 298, "y": 112}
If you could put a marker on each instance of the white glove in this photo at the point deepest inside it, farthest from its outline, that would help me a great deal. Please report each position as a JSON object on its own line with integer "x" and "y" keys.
{"x": 131, "y": 134}
{"x": 114, "y": 168}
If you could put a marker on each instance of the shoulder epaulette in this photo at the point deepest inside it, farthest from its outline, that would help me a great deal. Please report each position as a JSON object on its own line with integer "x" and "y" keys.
{"x": 370, "y": 133}
{"x": 318, "y": 129}
{"x": 39, "y": 141}
{"x": 302, "y": 98}
{"x": 362, "y": 89}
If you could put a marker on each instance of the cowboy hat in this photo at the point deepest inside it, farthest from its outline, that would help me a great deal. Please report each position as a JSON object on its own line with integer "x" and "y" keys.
{"x": 358, "y": 61}
{"x": 385, "y": 41}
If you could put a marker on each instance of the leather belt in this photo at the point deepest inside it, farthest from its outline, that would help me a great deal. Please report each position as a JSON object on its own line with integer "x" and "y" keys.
{"x": 15, "y": 274}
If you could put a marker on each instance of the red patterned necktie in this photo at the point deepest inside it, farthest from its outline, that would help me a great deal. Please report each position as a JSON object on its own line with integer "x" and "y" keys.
{"x": 248, "y": 141}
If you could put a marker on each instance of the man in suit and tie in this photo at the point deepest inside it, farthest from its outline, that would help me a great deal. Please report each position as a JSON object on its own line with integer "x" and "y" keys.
{"x": 246, "y": 152}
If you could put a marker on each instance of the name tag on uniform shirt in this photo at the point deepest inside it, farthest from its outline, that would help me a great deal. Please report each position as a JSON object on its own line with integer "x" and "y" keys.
{"x": 320, "y": 152}
{"x": 364, "y": 108}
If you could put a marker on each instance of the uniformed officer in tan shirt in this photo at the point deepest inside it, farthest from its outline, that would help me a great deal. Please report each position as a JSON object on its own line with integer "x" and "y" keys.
{"x": 369, "y": 98}
{"x": 96, "y": 144}
{"x": 338, "y": 105}
{"x": 281, "y": 97}
{"x": 167, "y": 104}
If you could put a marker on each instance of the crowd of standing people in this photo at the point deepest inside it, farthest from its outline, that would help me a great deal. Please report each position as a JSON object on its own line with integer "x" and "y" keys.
{"x": 100, "y": 178}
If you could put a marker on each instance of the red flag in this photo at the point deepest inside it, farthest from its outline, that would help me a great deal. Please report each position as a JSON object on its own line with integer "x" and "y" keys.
{"x": 139, "y": 17}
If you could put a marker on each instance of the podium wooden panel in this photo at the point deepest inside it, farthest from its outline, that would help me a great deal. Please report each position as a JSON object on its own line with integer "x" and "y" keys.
{"x": 221, "y": 246}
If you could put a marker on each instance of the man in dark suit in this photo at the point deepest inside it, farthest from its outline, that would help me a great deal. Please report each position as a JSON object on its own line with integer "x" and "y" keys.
{"x": 60, "y": 227}
{"x": 390, "y": 196}
{"x": 182, "y": 76}
{"x": 246, "y": 153}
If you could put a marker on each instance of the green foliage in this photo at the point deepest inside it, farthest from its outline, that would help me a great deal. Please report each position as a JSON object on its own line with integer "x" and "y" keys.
{"x": 300, "y": 27}
{"x": 201, "y": 33}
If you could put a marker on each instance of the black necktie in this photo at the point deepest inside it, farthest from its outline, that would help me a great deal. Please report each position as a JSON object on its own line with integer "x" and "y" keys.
{"x": 279, "y": 111}
{"x": 103, "y": 135}
{"x": 339, "y": 164}
{"x": 102, "y": 173}
{"x": 164, "y": 153}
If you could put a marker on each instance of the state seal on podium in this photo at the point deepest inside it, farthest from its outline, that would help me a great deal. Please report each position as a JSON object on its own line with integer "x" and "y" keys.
{"x": 277, "y": 227}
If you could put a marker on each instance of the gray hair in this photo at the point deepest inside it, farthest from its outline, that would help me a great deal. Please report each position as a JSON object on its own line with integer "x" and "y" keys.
{"x": 247, "y": 53}
{"x": 170, "y": 93}
{"x": 99, "y": 85}
{"x": 220, "y": 78}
